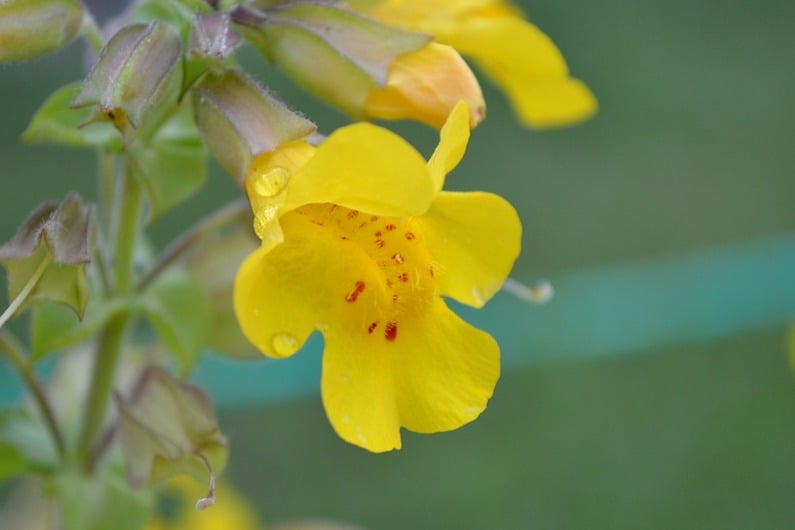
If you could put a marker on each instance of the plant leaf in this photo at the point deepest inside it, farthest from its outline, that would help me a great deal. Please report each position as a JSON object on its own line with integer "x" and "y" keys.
{"x": 102, "y": 502}
{"x": 179, "y": 310}
{"x": 56, "y": 122}
{"x": 173, "y": 166}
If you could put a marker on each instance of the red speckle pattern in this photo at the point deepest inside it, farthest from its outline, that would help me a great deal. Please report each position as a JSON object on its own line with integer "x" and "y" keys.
{"x": 390, "y": 332}
{"x": 372, "y": 327}
{"x": 357, "y": 290}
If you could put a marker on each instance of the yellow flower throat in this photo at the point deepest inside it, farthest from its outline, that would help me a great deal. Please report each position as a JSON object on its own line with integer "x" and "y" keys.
{"x": 393, "y": 276}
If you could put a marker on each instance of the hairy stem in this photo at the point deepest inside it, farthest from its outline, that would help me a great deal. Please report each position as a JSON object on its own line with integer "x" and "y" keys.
{"x": 12, "y": 350}
{"x": 111, "y": 340}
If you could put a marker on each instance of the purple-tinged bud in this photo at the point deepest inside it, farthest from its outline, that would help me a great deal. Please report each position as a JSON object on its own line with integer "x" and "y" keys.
{"x": 239, "y": 120}
{"x": 137, "y": 70}
{"x": 212, "y": 37}
{"x": 335, "y": 54}
{"x": 33, "y": 28}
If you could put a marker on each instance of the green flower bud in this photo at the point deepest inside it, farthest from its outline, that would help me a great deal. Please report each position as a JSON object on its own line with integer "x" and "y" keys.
{"x": 335, "y": 54}
{"x": 166, "y": 428}
{"x": 239, "y": 120}
{"x": 33, "y": 28}
{"x": 48, "y": 254}
{"x": 137, "y": 70}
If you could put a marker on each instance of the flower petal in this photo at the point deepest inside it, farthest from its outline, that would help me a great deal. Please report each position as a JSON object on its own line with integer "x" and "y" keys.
{"x": 425, "y": 85}
{"x": 473, "y": 239}
{"x": 453, "y": 139}
{"x": 285, "y": 292}
{"x": 525, "y": 63}
{"x": 436, "y": 375}
{"x": 364, "y": 167}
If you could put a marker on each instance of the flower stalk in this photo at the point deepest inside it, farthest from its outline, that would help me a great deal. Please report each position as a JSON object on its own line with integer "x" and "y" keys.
{"x": 111, "y": 340}
{"x": 12, "y": 350}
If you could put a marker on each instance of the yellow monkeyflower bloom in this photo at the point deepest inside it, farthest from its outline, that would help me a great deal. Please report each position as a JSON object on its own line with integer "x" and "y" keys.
{"x": 360, "y": 243}
{"x": 514, "y": 53}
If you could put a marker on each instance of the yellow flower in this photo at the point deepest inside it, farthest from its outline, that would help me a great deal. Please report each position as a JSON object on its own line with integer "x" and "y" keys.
{"x": 231, "y": 511}
{"x": 518, "y": 56}
{"x": 360, "y": 242}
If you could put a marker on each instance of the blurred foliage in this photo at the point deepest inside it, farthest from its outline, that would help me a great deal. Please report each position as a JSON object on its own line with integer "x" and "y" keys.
{"x": 691, "y": 148}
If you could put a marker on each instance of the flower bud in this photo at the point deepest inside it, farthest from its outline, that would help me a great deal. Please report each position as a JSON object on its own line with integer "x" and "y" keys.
{"x": 344, "y": 58}
{"x": 240, "y": 120}
{"x": 425, "y": 85}
{"x": 137, "y": 70}
{"x": 33, "y": 28}
{"x": 212, "y": 37}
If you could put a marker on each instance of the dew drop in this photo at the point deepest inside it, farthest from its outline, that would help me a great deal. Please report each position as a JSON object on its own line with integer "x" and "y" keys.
{"x": 285, "y": 344}
{"x": 272, "y": 183}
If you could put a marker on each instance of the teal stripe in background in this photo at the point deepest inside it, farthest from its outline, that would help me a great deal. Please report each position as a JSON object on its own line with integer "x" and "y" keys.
{"x": 603, "y": 311}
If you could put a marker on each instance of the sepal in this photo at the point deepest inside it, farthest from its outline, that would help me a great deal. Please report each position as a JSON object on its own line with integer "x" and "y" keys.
{"x": 49, "y": 253}
{"x": 239, "y": 120}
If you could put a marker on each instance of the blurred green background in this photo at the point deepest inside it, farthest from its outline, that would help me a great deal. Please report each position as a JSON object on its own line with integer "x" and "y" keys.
{"x": 670, "y": 421}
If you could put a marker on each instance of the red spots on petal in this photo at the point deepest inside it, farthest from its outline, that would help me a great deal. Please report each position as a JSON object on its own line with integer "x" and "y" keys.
{"x": 379, "y": 243}
{"x": 344, "y": 238}
{"x": 362, "y": 225}
{"x": 390, "y": 227}
{"x": 397, "y": 257}
{"x": 378, "y": 234}
{"x": 430, "y": 270}
{"x": 352, "y": 214}
{"x": 395, "y": 298}
{"x": 357, "y": 290}
{"x": 410, "y": 236}
{"x": 316, "y": 222}
{"x": 372, "y": 327}
{"x": 403, "y": 277}
{"x": 389, "y": 283}
{"x": 390, "y": 332}
{"x": 374, "y": 218}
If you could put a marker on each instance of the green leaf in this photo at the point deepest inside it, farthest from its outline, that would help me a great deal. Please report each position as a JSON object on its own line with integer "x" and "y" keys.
{"x": 173, "y": 165}
{"x": 54, "y": 327}
{"x": 12, "y": 461}
{"x": 25, "y": 440}
{"x": 179, "y": 310}
{"x": 46, "y": 258}
{"x": 102, "y": 502}
{"x": 168, "y": 427}
{"x": 214, "y": 263}
{"x": 56, "y": 122}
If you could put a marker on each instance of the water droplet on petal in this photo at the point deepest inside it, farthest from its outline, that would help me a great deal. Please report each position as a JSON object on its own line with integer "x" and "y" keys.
{"x": 272, "y": 183}
{"x": 285, "y": 344}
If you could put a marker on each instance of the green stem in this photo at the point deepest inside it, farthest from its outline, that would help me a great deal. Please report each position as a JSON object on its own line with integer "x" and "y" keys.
{"x": 23, "y": 294}
{"x": 12, "y": 350}
{"x": 198, "y": 232}
{"x": 111, "y": 340}
{"x": 91, "y": 31}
